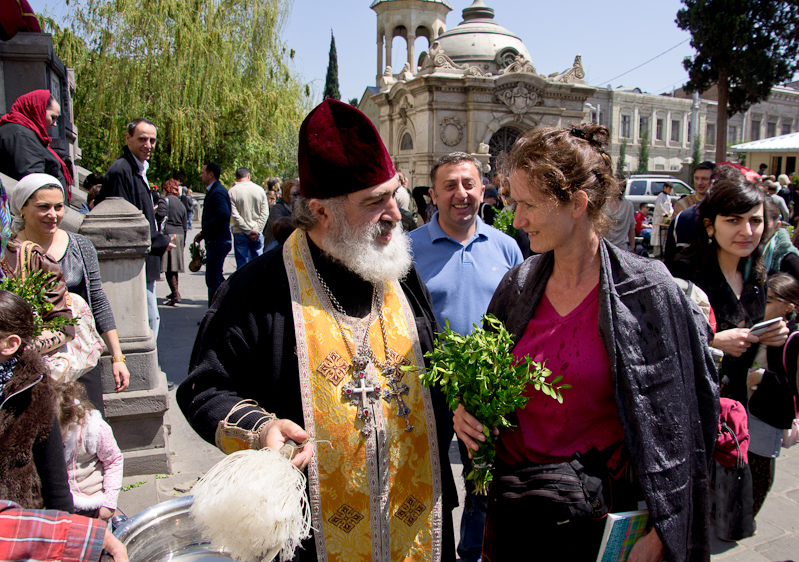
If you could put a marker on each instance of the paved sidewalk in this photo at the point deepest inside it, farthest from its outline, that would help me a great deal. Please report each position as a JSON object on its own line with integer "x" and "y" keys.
{"x": 777, "y": 538}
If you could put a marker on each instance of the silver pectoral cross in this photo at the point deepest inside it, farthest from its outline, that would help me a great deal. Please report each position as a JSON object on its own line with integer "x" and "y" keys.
{"x": 363, "y": 391}
{"x": 395, "y": 391}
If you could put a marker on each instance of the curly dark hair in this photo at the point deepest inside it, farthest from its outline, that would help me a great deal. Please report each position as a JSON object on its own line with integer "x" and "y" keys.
{"x": 561, "y": 162}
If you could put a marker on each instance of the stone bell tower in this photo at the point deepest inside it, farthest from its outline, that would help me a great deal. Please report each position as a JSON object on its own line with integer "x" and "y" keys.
{"x": 408, "y": 19}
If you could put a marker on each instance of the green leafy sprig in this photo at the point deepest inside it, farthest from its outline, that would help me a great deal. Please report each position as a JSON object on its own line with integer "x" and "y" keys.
{"x": 33, "y": 289}
{"x": 503, "y": 221}
{"x": 480, "y": 372}
{"x": 195, "y": 250}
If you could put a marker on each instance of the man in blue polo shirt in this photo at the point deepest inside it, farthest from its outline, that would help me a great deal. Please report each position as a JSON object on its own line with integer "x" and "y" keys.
{"x": 462, "y": 260}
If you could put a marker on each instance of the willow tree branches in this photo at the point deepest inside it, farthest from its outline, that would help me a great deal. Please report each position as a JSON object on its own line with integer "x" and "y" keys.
{"x": 213, "y": 75}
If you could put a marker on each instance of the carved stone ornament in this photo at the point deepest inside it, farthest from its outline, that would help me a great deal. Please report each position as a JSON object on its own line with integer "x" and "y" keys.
{"x": 387, "y": 80}
{"x": 482, "y": 148}
{"x": 436, "y": 58}
{"x": 475, "y": 71}
{"x": 573, "y": 75}
{"x": 407, "y": 73}
{"x": 519, "y": 99}
{"x": 451, "y": 130}
{"x": 519, "y": 64}
{"x": 405, "y": 105}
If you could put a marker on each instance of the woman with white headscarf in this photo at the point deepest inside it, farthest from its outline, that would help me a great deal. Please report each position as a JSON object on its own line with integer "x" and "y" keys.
{"x": 37, "y": 205}
{"x": 55, "y": 290}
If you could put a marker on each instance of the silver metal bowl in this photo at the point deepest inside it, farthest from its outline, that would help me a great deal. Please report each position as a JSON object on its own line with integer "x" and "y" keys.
{"x": 165, "y": 532}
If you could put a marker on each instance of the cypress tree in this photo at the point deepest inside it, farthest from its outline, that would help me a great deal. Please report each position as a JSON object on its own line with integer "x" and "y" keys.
{"x": 331, "y": 82}
{"x": 622, "y": 161}
{"x": 643, "y": 153}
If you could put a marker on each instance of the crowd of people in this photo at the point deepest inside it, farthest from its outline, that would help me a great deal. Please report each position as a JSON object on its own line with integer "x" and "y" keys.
{"x": 363, "y": 271}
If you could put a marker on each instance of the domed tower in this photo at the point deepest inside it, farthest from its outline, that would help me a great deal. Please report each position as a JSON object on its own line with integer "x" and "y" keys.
{"x": 408, "y": 19}
{"x": 480, "y": 41}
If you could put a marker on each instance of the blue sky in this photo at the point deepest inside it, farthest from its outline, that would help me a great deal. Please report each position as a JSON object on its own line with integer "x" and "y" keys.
{"x": 613, "y": 37}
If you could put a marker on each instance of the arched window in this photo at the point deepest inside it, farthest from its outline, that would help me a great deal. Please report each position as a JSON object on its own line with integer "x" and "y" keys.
{"x": 407, "y": 142}
{"x": 501, "y": 143}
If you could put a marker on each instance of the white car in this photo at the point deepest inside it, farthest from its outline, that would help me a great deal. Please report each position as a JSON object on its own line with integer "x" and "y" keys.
{"x": 645, "y": 189}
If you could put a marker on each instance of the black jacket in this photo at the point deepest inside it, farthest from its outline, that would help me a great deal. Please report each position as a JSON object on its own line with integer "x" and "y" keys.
{"x": 731, "y": 312}
{"x": 124, "y": 180}
{"x": 33, "y": 472}
{"x": 666, "y": 383}
{"x": 278, "y": 211}
{"x": 216, "y": 214}
{"x": 23, "y": 153}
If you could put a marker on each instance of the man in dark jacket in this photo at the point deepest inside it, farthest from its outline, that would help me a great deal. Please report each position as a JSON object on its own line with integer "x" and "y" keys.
{"x": 215, "y": 227}
{"x": 127, "y": 178}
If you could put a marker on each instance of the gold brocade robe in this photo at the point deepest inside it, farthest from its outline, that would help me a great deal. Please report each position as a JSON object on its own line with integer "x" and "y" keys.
{"x": 378, "y": 496}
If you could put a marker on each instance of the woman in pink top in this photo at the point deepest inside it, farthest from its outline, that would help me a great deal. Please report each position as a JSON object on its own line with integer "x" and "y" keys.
{"x": 642, "y": 412}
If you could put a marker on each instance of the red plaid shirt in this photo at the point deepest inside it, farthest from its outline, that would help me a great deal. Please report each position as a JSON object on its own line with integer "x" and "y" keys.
{"x": 45, "y": 535}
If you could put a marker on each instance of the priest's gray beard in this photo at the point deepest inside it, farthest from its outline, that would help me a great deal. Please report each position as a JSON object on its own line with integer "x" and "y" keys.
{"x": 358, "y": 250}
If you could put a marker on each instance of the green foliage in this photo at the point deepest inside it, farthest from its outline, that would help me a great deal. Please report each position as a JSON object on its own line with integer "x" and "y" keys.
{"x": 215, "y": 78}
{"x": 755, "y": 43}
{"x": 480, "y": 372}
{"x": 331, "y": 80}
{"x": 33, "y": 288}
{"x": 503, "y": 221}
{"x": 195, "y": 250}
{"x": 622, "y": 161}
{"x": 696, "y": 154}
{"x": 354, "y": 102}
{"x": 643, "y": 153}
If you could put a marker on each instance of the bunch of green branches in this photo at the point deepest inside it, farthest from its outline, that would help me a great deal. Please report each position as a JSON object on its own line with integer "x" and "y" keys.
{"x": 480, "y": 372}
{"x": 33, "y": 289}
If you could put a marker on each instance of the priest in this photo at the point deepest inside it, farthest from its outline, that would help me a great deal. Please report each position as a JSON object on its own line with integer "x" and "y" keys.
{"x": 311, "y": 343}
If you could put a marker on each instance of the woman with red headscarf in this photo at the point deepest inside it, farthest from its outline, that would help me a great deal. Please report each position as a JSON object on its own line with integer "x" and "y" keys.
{"x": 25, "y": 142}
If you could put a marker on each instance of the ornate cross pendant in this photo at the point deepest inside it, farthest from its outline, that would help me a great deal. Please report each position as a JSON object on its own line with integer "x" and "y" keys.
{"x": 395, "y": 391}
{"x": 363, "y": 391}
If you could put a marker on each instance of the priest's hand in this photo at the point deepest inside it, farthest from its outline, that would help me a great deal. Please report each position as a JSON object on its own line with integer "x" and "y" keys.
{"x": 469, "y": 430}
{"x": 648, "y": 548}
{"x": 275, "y": 434}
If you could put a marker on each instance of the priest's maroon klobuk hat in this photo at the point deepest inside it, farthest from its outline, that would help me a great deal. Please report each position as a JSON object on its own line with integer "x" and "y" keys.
{"x": 340, "y": 152}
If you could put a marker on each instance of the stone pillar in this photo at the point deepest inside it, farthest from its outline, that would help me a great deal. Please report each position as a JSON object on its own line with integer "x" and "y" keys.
{"x": 410, "y": 43}
{"x": 389, "y": 43}
{"x": 379, "y": 60}
{"x": 138, "y": 416}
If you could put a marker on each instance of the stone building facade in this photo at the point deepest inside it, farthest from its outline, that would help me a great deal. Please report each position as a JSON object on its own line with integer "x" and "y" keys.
{"x": 476, "y": 90}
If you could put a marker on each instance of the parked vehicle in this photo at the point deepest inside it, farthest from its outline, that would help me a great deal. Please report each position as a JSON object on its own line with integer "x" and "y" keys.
{"x": 645, "y": 189}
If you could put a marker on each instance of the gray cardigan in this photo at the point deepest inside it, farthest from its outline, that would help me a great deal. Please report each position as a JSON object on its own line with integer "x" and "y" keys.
{"x": 666, "y": 383}
{"x": 82, "y": 275}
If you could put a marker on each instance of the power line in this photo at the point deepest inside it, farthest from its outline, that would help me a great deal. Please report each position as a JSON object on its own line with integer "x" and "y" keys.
{"x": 642, "y": 64}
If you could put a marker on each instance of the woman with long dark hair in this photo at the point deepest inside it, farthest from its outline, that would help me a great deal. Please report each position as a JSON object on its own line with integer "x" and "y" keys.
{"x": 726, "y": 262}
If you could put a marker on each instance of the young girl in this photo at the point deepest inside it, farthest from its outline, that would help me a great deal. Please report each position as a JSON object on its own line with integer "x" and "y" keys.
{"x": 94, "y": 461}
{"x": 771, "y": 406}
{"x": 32, "y": 469}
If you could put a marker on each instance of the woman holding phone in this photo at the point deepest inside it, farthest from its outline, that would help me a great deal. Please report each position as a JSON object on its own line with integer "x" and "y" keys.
{"x": 726, "y": 262}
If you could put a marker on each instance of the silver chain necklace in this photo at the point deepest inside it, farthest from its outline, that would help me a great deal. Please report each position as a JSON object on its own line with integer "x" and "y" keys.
{"x": 364, "y": 349}
{"x": 359, "y": 391}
